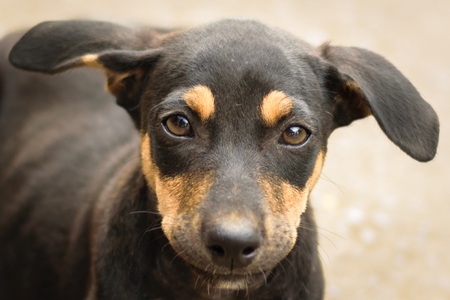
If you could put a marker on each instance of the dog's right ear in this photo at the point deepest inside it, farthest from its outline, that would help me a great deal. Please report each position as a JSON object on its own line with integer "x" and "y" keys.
{"x": 122, "y": 53}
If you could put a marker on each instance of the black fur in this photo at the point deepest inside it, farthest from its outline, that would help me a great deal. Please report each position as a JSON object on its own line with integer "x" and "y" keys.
{"x": 78, "y": 218}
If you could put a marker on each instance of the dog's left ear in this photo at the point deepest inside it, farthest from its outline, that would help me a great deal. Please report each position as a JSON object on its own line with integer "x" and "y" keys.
{"x": 123, "y": 53}
{"x": 363, "y": 83}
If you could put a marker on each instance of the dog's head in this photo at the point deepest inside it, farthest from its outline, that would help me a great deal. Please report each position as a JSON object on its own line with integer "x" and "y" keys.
{"x": 234, "y": 119}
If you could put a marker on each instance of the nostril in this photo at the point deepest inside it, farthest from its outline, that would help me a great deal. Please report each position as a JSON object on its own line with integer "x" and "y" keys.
{"x": 217, "y": 250}
{"x": 248, "y": 251}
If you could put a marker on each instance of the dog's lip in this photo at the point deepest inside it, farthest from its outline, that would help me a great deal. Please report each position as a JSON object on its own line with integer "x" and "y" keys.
{"x": 231, "y": 279}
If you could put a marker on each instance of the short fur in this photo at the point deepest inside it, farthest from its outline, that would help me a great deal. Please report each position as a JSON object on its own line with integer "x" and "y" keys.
{"x": 98, "y": 203}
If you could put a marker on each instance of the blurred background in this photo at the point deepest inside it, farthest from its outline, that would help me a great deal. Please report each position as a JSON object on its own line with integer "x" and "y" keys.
{"x": 384, "y": 218}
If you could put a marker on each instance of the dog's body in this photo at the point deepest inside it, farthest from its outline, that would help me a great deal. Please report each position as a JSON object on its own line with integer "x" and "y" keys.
{"x": 210, "y": 201}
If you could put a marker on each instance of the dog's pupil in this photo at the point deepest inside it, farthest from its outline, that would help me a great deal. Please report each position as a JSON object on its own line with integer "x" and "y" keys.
{"x": 181, "y": 122}
{"x": 178, "y": 125}
{"x": 294, "y": 135}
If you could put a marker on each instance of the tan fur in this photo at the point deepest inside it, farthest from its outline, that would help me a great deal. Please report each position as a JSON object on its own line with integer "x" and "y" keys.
{"x": 91, "y": 60}
{"x": 114, "y": 85}
{"x": 114, "y": 80}
{"x": 180, "y": 195}
{"x": 355, "y": 95}
{"x": 275, "y": 105}
{"x": 149, "y": 169}
{"x": 288, "y": 200}
{"x": 176, "y": 195}
{"x": 201, "y": 100}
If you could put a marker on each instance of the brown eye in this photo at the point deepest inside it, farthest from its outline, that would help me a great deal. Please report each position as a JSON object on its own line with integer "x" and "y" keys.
{"x": 178, "y": 125}
{"x": 295, "y": 135}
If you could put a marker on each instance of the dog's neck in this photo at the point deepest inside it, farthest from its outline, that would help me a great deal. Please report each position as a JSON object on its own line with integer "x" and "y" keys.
{"x": 146, "y": 260}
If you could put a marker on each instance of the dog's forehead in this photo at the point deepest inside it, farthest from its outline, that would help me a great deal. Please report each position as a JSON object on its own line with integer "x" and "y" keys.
{"x": 234, "y": 48}
{"x": 242, "y": 31}
{"x": 241, "y": 62}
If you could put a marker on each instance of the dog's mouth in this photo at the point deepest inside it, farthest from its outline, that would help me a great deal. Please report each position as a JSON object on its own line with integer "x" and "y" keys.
{"x": 230, "y": 281}
{"x": 225, "y": 270}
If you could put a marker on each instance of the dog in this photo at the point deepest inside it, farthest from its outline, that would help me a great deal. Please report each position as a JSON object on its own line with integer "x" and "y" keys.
{"x": 196, "y": 185}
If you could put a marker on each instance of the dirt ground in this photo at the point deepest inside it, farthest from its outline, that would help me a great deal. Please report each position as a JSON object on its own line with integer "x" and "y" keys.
{"x": 384, "y": 218}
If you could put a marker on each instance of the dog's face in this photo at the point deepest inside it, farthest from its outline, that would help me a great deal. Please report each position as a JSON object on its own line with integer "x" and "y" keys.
{"x": 234, "y": 119}
{"x": 232, "y": 150}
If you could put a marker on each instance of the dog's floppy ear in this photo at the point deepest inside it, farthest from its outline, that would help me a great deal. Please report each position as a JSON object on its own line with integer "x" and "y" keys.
{"x": 122, "y": 53}
{"x": 364, "y": 83}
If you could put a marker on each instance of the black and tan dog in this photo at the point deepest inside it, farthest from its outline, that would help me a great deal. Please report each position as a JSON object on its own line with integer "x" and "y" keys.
{"x": 211, "y": 201}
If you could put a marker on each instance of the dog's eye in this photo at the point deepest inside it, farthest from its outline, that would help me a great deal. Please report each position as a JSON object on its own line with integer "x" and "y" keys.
{"x": 295, "y": 135}
{"x": 178, "y": 125}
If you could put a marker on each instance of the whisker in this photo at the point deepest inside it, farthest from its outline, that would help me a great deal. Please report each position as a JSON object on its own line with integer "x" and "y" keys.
{"x": 282, "y": 267}
{"x": 162, "y": 249}
{"x": 319, "y": 245}
{"x": 329, "y": 231}
{"x": 264, "y": 275}
{"x": 321, "y": 234}
{"x": 321, "y": 257}
{"x": 132, "y": 158}
{"x": 144, "y": 212}
{"x": 157, "y": 238}
{"x": 152, "y": 229}
{"x": 142, "y": 237}
{"x": 307, "y": 250}
{"x": 178, "y": 254}
{"x": 205, "y": 280}
{"x": 341, "y": 188}
{"x": 247, "y": 293}
{"x": 129, "y": 161}
{"x": 196, "y": 281}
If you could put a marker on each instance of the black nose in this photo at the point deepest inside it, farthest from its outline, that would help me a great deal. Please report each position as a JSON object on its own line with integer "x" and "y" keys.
{"x": 232, "y": 244}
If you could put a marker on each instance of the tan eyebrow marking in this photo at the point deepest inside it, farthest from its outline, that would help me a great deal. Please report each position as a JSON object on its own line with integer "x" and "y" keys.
{"x": 275, "y": 105}
{"x": 201, "y": 100}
